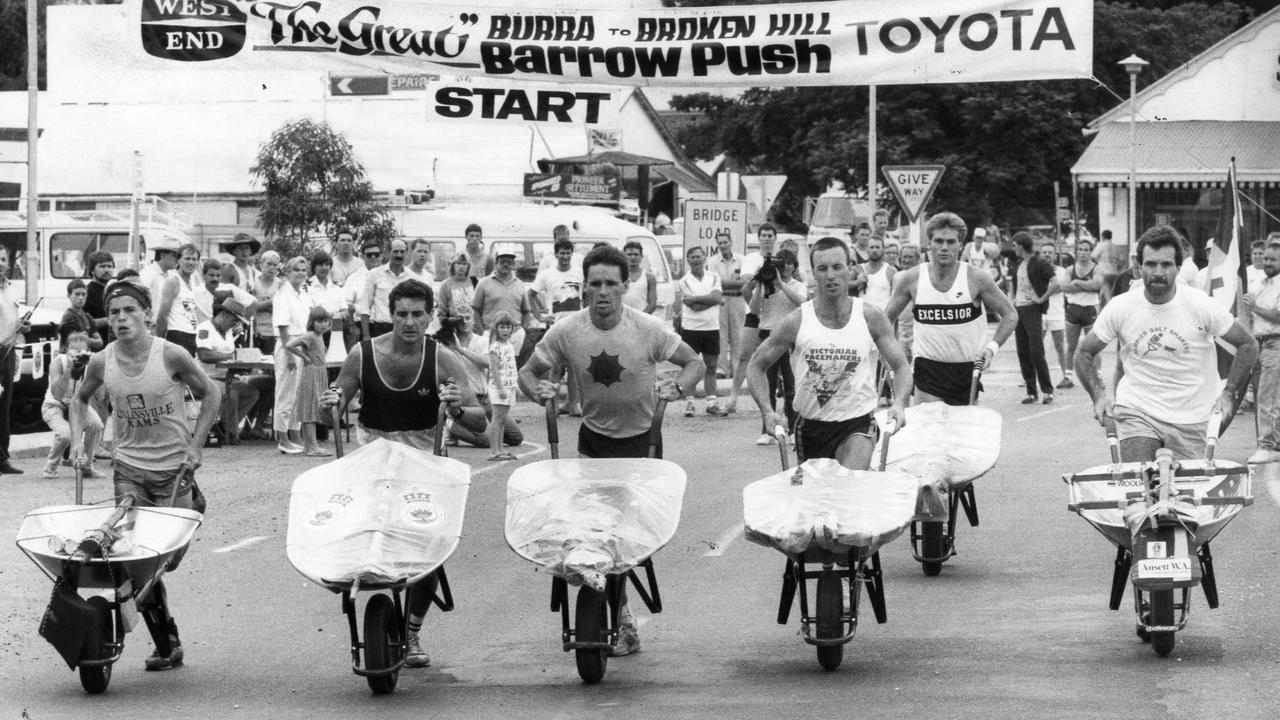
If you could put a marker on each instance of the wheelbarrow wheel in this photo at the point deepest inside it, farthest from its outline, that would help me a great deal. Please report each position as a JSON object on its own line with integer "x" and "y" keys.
{"x": 1162, "y": 614}
{"x": 382, "y": 645}
{"x": 95, "y": 678}
{"x": 932, "y": 542}
{"x": 589, "y": 626}
{"x": 830, "y": 607}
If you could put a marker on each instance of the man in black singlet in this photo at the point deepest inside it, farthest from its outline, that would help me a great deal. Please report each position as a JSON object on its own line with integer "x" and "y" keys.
{"x": 402, "y": 381}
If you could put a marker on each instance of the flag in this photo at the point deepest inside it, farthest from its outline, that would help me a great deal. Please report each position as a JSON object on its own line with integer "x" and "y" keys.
{"x": 1227, "y": 274}
{"x": 603, "y": 140}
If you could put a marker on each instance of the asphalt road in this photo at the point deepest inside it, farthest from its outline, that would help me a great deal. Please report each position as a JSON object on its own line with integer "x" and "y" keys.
{"x": 1016, "y": 626}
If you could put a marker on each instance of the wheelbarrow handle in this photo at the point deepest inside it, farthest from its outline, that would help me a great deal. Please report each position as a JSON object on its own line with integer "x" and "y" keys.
{"x": 973, "y": 382}
{"x": 655, "y": 427}
{"x": 553, "y": 427}
{"x": 780, "y": 435}
{"x": 1113, "y": 438}
{"x": 336, "y": 411}
{"x": 890, "y": 427}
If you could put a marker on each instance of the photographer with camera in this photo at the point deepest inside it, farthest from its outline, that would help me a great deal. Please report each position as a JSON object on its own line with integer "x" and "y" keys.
{"x": 780, "y": 292}
{"x": 65, "y": 373}
{"x": 752, "y": 265}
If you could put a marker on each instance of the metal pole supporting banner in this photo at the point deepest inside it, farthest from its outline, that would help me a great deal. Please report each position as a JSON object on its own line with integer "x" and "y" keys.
{"x": 32, "y": 270}
{"x": 871, "y": 146}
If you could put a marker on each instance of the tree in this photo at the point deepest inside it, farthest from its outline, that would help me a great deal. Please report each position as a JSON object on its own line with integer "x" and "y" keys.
{"x": 13, "y": 43}
{"x": 314, "y": 182}
{"x": 1004, "y": 144}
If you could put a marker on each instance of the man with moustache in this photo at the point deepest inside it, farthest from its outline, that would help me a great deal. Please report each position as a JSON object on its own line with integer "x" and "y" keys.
{"x": 1167, "y": 336}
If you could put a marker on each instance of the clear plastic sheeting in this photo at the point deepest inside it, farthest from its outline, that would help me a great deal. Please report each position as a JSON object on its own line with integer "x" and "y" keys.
{"x": 149, "y": 536}
{"x": 384, "y": 513}
{"x": 1120, "y": 523}
{"x": 946, "y": 447}
{"x": 587, "y": 518}
{"x": 834, "y": 508}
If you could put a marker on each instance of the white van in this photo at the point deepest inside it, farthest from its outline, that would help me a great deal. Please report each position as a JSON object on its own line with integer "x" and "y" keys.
{"x": 525, "y": 229}
{"x": 66, "y": 239}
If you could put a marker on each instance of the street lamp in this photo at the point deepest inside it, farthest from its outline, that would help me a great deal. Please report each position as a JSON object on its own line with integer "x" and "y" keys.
{"x": 1133, "y": 65}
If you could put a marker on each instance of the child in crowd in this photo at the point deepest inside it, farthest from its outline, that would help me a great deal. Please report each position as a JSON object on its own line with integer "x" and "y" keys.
{"x": 502, "y": 380}
{"x": 65, "y": 372}
{"x": 313, "y": 380}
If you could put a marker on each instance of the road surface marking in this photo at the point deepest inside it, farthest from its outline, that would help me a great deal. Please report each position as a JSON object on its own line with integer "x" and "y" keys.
{"x": 724, "y": 541}
{"x": 1049, "y": 412}
{"x": 242, "y": 544}
{"x": 534, "y": 449}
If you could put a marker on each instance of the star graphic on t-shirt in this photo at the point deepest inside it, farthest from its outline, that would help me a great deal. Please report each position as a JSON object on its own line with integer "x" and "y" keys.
{"x": 605, "y": 369}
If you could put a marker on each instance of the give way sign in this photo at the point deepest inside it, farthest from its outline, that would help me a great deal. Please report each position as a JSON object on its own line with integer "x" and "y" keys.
{"x": 913, "y": 185}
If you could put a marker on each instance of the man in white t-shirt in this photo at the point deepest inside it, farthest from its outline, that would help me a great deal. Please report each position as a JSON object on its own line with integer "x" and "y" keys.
{"x": 555, "y": 293}
{"x": 699, "y": 297}
{"x": 1167, "y": 335}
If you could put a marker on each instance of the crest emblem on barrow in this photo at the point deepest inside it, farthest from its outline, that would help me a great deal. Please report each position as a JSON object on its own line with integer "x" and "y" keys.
{"x": 419, "y": 510}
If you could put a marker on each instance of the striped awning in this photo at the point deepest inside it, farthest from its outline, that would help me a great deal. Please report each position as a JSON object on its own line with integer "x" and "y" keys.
{"x": 1183, "y": 154}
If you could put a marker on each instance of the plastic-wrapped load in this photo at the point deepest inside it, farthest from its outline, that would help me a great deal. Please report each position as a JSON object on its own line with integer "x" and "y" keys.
{"x": 587, "y": 518}
{"x": 1119, "y": 525}
{"x": 833, "y": 508}
{"x": 384, "y": 513}
{"x": 945, "y": 446}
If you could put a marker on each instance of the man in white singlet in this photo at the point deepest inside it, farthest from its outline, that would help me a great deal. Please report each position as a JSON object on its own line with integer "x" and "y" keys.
{"x": 157, "y": 452}
{"x": 879, "y": 275}
{"x": 835, "y": 342}
{"x": 949, "y": 325}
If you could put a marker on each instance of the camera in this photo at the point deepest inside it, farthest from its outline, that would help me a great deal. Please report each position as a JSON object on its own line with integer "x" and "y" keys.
{"x": 768, "y": 274}
{"x": 78, "y": 364}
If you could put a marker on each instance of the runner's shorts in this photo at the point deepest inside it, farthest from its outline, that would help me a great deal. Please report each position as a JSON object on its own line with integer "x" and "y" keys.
{"x": 822, "y": 438}
{"x": 948, "y": 381}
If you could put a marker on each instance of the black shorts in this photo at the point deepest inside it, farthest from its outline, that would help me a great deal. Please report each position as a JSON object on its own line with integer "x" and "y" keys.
{"x": 822, "y": 438}
{"x": 1081, "y": 315}
{"x": 752, "y": 321}
{"x": 592, "y": 444}
{"x": 185, "y": 340}
{"x": 703, "y": 342}
{"x": 948, "y": 381}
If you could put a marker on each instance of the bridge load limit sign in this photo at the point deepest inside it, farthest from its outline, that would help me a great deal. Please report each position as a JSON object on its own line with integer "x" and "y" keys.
{"x": 704, "y": 219}
{"x": 913, "y": 185}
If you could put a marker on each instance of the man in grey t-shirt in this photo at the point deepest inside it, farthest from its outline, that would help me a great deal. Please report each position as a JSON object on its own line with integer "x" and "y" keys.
{"x": 614, "y": 350}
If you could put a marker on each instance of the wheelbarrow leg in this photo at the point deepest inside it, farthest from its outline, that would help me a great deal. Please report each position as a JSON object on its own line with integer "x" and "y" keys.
{"x": 155, "y": 612}
{"x": 1120, "y": 578}
{"x": 788, "y": 592}
{"x": 1208, "y": 581}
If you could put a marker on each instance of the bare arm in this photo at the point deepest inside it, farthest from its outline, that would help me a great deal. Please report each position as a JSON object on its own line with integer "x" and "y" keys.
{"x": 651, "y": 293}
{"x": 904, "y": 285}
{"x": 1086, "y": 366}
{"x": 892, "y": 354}
{"x": 167, "y": 296}
{"x": 691, "y": 370}
{"x": 348, "y": 382}
{"x": 991, "y": 297}
{"x": 775, "y": 346}
{"x": 1241, "y": 367}
{"x": 533, "y": 381}
{"x": 207, "y": 392}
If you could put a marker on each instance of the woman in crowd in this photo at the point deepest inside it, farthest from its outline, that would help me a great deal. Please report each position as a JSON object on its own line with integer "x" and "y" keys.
{"x": 291, "y": 309}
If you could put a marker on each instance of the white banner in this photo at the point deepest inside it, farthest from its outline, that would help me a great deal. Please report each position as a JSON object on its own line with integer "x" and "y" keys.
{"x": 883, "y": 42}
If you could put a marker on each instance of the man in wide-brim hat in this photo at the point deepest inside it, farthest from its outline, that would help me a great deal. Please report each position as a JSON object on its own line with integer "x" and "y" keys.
{"x": 243, "y": 247}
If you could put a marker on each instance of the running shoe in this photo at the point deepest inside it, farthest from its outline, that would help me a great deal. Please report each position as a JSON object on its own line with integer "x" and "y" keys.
{"x": 1048, "y": 399}
{"x": 1066, "y": 383}
{"x": 628, "y": 634}
{"x": 156, "y": 663}
{"x": 688, "y": 409}
{"x": 766, "y": 439}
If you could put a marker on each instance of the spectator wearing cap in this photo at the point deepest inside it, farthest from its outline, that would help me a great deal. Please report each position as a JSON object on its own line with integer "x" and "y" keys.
{"x": 176, "y": 317}
{"x": 243, "y": 247}
{"x": 216, "y": 340}
{"x": 346, "y": 261}
{"x": 75, "y": 319}
{"x": 375, "y": 307}
{"x": 163, "y": 265}
{"x": 502, "y": 291}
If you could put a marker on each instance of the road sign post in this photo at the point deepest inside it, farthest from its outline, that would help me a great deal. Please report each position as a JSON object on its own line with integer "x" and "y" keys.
{"x": 913, "y": 185}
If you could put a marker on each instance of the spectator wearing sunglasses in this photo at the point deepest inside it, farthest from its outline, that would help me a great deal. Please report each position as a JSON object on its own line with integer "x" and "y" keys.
{"x": 353, "y": 289}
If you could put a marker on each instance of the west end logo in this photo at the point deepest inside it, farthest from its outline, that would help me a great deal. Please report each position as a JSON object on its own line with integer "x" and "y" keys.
{"x": 192, "y": 30}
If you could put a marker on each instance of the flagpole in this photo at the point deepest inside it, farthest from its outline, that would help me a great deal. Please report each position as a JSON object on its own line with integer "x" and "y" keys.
{"x": 32, "y": 258}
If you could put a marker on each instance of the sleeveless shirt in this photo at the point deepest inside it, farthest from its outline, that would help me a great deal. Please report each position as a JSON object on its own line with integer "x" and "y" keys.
{"x": 151, "y": 418}
{"x": 878, "y": 289}
{"x": 389, "y": 409}
{"x": 182, "y": 313}
{"x": 637, "y": 294}
{"x": 835, "y": 368}
{"x": 1084, "y": 297}
{"x": 949, "y": 325}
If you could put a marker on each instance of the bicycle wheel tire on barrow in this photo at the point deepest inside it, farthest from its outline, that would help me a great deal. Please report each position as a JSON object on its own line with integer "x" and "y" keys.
{"x": 382, "y": 646}
{"x": 95, "y": 678}
{"x": 829, "y": 608}
{"x": 1162, "y": 613}
{"x": 589, "y": 626}
{"x": 932, "y": 545}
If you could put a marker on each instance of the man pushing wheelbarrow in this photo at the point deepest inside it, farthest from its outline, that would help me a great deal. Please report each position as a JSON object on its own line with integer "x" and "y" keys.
{"x": 614, "y": 352}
